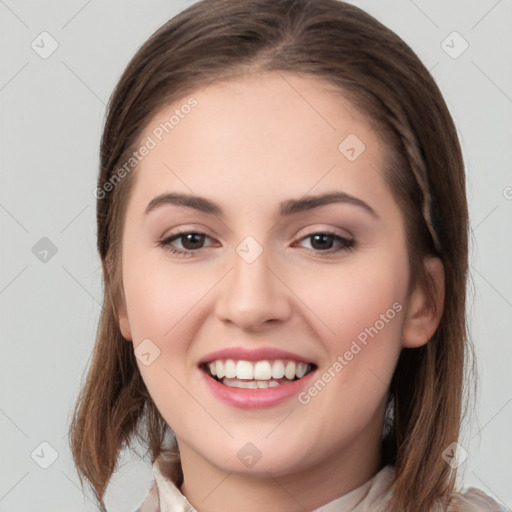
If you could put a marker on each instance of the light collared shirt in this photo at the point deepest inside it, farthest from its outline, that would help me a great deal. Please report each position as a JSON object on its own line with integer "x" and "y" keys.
{"x": 372, "y": 496}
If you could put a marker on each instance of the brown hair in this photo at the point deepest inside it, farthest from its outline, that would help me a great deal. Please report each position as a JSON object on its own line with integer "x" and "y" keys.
{"x": 379, "y": 73}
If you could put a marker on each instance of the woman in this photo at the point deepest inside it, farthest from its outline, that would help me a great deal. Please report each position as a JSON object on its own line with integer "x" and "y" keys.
{"x": 283, "y": 224}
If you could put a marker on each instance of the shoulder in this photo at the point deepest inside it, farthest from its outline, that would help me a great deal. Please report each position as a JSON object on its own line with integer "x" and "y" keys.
{"x": 473, "y": 500}
{"x": 460, "y": 500}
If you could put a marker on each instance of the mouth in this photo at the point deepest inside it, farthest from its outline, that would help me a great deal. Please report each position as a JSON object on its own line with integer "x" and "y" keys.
{"x": 256, "y": 374}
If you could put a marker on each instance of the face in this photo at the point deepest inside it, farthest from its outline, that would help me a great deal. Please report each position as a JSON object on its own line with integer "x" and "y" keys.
{"x": 260, "y": 283}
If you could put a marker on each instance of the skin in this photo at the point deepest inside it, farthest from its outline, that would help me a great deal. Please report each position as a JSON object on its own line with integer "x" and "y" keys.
{"x": 249, "y": 144}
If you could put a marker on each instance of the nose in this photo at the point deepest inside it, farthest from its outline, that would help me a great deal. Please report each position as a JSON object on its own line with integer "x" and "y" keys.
{"x": 253, "y": 294}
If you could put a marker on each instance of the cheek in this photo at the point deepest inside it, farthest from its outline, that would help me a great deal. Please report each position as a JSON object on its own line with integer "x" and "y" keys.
{"x": 348, "y": 299}
{"x": 359, "y": 315}
{"x": 162, "y": 307}
{"x": 165, "y": 304}
{"x": 159, "y": 296}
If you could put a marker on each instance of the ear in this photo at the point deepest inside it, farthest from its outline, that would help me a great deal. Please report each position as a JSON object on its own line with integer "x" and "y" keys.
{"x": 119, "y": 308}
{"x": 424, "y": 313}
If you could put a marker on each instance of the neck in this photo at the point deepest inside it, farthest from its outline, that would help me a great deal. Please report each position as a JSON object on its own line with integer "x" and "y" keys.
{"x": 209, "y": 488}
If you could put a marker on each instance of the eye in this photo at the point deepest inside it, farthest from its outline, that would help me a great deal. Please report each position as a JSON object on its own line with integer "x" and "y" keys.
{"x": 322, "y": 243}
{"x": 190, "y": 241}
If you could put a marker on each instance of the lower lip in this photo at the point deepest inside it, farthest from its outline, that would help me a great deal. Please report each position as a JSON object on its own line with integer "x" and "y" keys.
{"x": 260, "y": 398}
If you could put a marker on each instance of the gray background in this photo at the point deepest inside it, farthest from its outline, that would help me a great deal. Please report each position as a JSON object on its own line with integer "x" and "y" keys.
{"x": 52, "y": 111}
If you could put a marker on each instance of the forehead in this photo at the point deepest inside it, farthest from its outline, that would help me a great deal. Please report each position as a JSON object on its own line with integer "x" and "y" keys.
{"x": 288, "y": 105}
{"x": 261, "y": 134}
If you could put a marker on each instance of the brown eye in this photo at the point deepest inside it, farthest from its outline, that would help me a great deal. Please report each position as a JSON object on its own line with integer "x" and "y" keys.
{"x": 323, "y": 242}
{"x": 191, "y": 241}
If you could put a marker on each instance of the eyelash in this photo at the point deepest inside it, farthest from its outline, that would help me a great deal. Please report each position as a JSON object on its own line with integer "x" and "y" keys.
{"x": 346, "y": 244}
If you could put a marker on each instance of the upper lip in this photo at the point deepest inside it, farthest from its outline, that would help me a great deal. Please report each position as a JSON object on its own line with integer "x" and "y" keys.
{"x": 253, "y": 354}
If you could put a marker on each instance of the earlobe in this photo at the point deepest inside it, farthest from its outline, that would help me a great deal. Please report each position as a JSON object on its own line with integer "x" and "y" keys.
{"x": 124, "y": 325}
{"x": 424, "y": 310}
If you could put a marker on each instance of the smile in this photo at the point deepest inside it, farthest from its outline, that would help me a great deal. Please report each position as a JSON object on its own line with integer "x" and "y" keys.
{"x": 256, "y": 378}
{"x": 256, "y": 374}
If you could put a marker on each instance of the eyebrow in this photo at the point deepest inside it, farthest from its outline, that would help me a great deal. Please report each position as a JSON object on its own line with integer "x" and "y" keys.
{"x": 286, "y": 208}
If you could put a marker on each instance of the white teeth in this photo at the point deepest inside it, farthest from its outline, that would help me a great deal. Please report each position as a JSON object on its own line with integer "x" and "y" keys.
{"x": 278, "y": 370}
{"x": 248, "y": 384}
{"x": 244, "y": 370}
{"x": 230, "y": 369}
{"x": 220, "y": 369}
{"x": 301, "y": 370}
{"x": 260, "y": 370}
{"x": 252, "y": 384}
{"x": 289, "y": 370}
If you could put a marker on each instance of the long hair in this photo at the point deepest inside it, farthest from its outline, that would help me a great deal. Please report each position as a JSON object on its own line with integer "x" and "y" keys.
{"x": 371, "y": 66}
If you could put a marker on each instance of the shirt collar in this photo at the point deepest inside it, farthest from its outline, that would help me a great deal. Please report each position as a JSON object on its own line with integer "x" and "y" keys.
{"x": 164, "y": 496}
